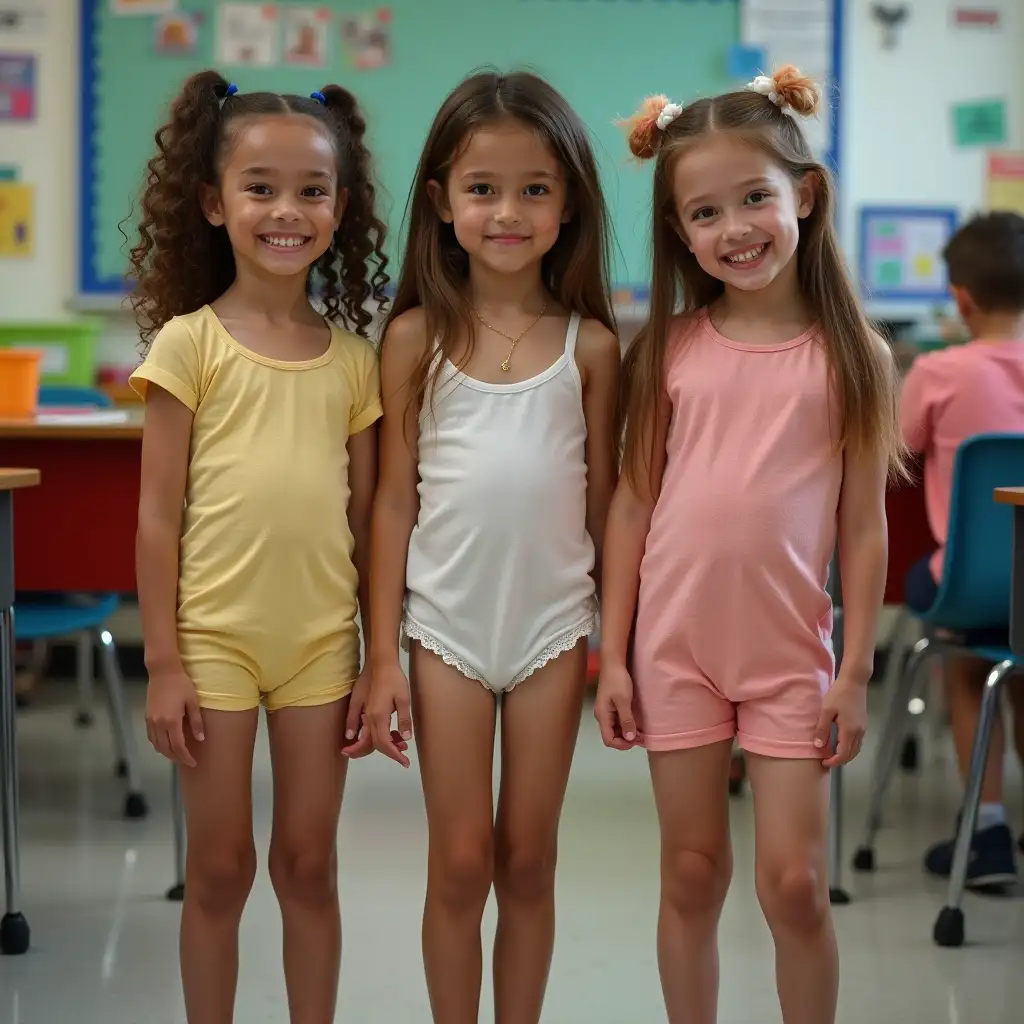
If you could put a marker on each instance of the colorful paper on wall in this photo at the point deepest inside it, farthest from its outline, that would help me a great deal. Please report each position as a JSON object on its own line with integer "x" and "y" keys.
{"x": 306, "y": 33}
{"x": 17, "y": 87}
{"x": 982, "y": 123}
{"x": 17, "y": 226}
{"x": 1006, "y": 182}
{"x": 134, "y": 7}
{"x": 176, "y": 35}
{"x": 746, "y": 62}
{"x": 901, "y": 253}
{"x": 248, "y": 35}
{"x": 367, "y": 39}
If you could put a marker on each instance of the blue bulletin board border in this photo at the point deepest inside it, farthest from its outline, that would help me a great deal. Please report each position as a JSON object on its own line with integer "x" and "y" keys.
{"x": 948, "y": 215}
{"x": 91, "y": 285}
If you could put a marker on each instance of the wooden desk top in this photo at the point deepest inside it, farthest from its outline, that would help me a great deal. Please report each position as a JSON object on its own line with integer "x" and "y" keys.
{"x": 30, "y": 428}
{"x": 12, "y": 479}
{"x": 1010, "y": 495}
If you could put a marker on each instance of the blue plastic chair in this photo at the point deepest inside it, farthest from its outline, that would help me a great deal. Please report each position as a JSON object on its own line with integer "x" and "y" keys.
{"x": 42, "y": 617}
{"x": 971, "y": 615}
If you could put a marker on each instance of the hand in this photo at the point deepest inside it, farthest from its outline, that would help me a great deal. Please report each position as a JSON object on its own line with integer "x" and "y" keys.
{"x": 613, "y": 708}
{"x": 846, "y": 704}
{"x": 358, "y": 738}
{"x": 170, "y": 700}
{"x": 389, "y": 693}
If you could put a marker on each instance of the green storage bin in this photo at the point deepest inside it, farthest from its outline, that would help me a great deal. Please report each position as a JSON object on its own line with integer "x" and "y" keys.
{"x": 68, "y": 347}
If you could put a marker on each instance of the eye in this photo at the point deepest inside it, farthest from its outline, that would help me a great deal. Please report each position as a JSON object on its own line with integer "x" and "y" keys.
{"x": 758, "y": 196}
{"x": 314, "y": 192}
{"x": 704, "y": 213}
{"x": 536, "y": 190}
{"x": 258, "y": 190}
{"x": 480, "y": 190}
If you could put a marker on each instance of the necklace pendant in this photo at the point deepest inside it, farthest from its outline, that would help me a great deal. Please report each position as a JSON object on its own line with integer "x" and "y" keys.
{"x": 505, "y": 365}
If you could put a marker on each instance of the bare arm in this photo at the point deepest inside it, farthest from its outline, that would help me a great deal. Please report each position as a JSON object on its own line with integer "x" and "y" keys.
{"x": 629, "y": 520}
{"x": 397, "y": 502}
{"x": 362, "y": 480}
{"x": 600, "y": 360}
{"x": 165, "y": 451}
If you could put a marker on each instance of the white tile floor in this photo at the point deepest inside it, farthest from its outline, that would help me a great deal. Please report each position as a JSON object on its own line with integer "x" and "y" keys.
{"x": 104, "y": 939}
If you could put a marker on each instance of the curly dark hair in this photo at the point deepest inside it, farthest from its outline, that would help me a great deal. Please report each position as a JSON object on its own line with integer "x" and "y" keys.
{"x": 181, "y": 262}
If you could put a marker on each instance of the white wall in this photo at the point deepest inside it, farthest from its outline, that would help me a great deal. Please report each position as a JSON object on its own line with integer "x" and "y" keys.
{"x": 897, "y": 144}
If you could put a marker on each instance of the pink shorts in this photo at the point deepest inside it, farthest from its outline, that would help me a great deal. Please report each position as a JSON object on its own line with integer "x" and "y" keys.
{"x": 775, "y": 717}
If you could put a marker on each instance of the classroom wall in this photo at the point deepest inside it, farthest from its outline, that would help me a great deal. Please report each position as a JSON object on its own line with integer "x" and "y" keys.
{"x": 896, "y": 132}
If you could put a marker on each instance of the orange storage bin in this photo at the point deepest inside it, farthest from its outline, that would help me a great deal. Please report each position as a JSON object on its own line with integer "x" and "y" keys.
{"x": 19, "y": 381}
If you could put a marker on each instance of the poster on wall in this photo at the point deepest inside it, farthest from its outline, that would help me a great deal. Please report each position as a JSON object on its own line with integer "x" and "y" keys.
{"x": 367, "y": 39}
{"x": 901, "y": 252}
{"x": 17, "y": 208}
{"x": 306, "y": 32}
{"x": 176, "y": 35}
{"x": 17, "y": 87}
{"x": 980, "y": 123}
{"x": 247, "y": 35}
{"x": 133, "y": 7}
{"x": 1006, "y": 182}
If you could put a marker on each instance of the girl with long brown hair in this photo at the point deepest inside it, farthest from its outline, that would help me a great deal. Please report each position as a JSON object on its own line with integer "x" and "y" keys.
{"x": 760, "y": 425}
{"x": 259, "y": 460}
{"x": 499, "y": 374}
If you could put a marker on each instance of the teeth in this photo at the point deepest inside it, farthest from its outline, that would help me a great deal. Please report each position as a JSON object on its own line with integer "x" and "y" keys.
{"x": 284, "y": 243}
{"x": 745, "y": 257}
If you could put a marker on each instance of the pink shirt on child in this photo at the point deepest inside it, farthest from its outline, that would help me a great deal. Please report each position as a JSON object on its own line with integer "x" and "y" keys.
{"x": 949, "y": 396}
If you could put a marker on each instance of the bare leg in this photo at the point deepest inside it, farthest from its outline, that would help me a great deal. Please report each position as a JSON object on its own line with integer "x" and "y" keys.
{"x": 309, "y": 778}
{"x": 691, "y": 794}
{"x": 965, "y": 680}
{"x": 540, "y": 722}
{"x": 455, "y": 721}
{"x": 791, "y": 839}
{"x": 220, "y": 864}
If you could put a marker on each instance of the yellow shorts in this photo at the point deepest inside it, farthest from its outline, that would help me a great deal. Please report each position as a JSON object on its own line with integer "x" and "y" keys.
{"x": 231, "y": 675}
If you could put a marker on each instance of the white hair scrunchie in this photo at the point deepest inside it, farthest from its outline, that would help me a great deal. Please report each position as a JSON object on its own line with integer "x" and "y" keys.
{"x": 766, "y": 87}
{"x": 668, "y": 114}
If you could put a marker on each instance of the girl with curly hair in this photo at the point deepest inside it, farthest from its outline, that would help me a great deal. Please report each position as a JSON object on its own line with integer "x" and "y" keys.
{"x": 259, "y": 464}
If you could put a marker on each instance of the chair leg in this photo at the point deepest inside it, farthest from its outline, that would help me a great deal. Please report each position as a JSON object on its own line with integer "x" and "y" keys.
{"x": 135, "y": 803}
{"x": 949, "y": 925}
{"x": 177, "y": 891}
{"x": 84, "y": 671}
{"x": 889, "y": 744}
{"x": 837, "y": 895}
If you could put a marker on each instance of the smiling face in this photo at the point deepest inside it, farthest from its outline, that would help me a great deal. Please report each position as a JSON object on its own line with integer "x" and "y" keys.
{"x": 738, "y": 211}
{"x": 279, "y": 196}
{"x": 505, "y": 195}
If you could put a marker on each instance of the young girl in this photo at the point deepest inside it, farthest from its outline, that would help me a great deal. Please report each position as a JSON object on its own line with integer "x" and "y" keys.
{"x": 499, "y": 368}
{"x": 258, "y": 470}
{"x": 761, "y": 422}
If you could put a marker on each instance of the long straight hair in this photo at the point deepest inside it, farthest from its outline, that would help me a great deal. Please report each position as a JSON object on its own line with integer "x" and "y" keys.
{"x": 435, "y": 267}
{"x": 862, "y": 367}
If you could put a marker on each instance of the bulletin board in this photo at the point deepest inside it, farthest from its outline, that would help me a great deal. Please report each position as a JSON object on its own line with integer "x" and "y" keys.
{"x": 400, "y": 60}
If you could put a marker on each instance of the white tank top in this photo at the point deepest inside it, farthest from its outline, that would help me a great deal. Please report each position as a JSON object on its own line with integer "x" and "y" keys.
{"x": 499, "y": 565}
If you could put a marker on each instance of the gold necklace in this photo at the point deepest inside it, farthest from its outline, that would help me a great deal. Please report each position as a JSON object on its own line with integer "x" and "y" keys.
{"x": 515, "y": 341}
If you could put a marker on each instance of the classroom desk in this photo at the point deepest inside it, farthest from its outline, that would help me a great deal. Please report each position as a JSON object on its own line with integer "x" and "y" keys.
{"x": 77, "y": 531}
{"x": 1015, "y": 496}
{"x": 13, "y": 927}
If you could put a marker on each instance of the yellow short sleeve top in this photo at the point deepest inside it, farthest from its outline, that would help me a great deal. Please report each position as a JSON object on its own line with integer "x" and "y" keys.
{"x": 265, "y": 539}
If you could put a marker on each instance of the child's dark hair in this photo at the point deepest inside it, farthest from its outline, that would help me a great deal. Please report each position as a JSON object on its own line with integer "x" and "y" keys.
{"x": 986, "y": 258}
{"x": 182, "y": 262}
{"x": 863, "y": 369}
{"x": 435, "y": 267}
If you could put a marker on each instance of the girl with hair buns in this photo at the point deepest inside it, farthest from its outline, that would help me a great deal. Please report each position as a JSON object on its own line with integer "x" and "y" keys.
{"x": 259, "y": 462}
{"x": 760, "y": 426}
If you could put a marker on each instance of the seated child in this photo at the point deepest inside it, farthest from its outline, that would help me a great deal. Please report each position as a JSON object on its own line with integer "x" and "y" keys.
{"x": 949, "y": 396}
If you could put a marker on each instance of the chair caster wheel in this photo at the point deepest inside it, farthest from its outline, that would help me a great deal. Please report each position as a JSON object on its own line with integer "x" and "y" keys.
{"x": 135, "y": 806}
{"x": 121, "y": 769}
{"x": 864, "y": 859}
{"x": 838, "y": 897}
{"x": 14, "y": 935}
{"x": 949, "y": 928}
{"x": 909, "y": 755}
{"x": 83, "y": 719}
{"x": 176, "y": 893}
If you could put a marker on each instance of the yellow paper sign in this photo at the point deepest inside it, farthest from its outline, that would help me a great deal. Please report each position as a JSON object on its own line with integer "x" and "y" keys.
{"x": 17, "y": 222}
{"x": 1006, "y": 182}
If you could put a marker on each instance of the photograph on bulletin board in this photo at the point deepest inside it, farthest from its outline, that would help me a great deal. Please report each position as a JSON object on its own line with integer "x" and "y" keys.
{"x": 901, "y": 253}
{"x": 306, "y": 33}
{"x": 367, "y": 39}
{"x": 176, "y": 35}
{"x": 247, "y": 35}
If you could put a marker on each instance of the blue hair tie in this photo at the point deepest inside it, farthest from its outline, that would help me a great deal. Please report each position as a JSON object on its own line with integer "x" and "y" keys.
{"x": 229, "y": 91}
{"x": 319, "y": 97}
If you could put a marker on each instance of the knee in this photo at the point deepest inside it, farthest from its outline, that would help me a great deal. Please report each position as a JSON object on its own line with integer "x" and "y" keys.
{"x": 219, "y": 878}
{"x": 795, "y": 898}
{"x": 694, "y": 882}
{"x": 305, "y": 873}
{"x": 461, "y": 872}
{"x": 524, "y": 872}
